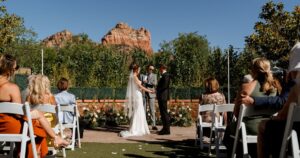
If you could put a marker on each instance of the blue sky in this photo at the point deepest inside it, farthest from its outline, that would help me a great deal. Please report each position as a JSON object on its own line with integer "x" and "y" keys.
{"x": 223, "y": 22}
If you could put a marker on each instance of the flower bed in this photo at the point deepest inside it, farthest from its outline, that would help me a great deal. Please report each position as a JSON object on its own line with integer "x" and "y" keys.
{"x": 111, "y": 113}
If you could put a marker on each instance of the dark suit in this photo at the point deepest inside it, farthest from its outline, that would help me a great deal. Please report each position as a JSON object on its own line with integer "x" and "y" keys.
{"x": 162, "y": 95}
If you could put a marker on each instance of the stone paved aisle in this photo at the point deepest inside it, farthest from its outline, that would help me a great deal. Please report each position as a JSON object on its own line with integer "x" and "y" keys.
{"x": 110, "y": 135}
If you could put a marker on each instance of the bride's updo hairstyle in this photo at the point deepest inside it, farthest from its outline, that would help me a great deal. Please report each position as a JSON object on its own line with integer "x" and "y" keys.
{"x": 134, "y": 67}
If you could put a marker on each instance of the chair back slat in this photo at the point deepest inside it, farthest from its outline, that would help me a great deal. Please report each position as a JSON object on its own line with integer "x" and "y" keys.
{"x": 67, "y": 108}
{"x": 47, "y": 108}
{"x": 253, "y": 111}
{"x": 224, "y": 108}
{"x": 12, "y": 108}
{"x": 205, "y": 107}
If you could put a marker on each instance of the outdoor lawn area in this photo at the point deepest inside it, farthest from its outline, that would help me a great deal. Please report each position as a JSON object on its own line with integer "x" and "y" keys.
{"x": 173, "y": 149}
{"x": 105, "y": 143}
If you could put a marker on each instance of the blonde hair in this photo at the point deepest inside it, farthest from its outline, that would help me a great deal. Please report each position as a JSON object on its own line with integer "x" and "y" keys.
{"x": 38, "y": 88}
{"x": 261, "y": 71}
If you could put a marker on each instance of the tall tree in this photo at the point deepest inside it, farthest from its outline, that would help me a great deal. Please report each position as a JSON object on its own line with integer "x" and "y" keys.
{"x": 11, "y": 27}
{"x": 188, "y": 53}
{"x": 276, "y": 33}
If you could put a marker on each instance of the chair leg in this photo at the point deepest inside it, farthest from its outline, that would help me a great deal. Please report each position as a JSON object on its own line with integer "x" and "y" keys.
{"x": 11, "y": 148}
{"x": 217, "y": 143}
{"x": 64, "y": 152}
{"x": 78, "y": 133}
{"x": 73, "y": 137}
{"x": 23, "y": 149}
{"x": 201, "y": 137}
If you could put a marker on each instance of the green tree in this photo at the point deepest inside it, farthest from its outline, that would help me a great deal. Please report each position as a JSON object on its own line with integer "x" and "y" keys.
{"x": 11, "y": 27}
{"x": 276, "y": 33}
{"x": 189, "y": 53}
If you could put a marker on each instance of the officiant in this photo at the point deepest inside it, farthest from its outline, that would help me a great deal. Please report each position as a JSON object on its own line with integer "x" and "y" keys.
{"x": 150, "y": 82}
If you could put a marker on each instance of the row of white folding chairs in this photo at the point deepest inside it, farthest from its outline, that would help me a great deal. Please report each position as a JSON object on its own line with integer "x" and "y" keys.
{"x": 217, "y": 125}
{"x": 24, "y": 109}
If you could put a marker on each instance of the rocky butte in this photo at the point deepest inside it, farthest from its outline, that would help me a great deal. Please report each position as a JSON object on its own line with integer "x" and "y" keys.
{"x": 124, "y": 35}
{"x": 121, "y": 35}
{"x": 58, "y": 39}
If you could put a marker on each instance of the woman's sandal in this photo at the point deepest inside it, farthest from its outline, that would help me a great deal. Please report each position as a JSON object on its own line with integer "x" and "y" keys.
{"x": 60, "y": 143}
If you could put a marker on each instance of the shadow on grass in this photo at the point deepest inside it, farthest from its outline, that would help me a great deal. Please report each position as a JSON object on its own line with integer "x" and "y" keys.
{"x": 177, "y": 149}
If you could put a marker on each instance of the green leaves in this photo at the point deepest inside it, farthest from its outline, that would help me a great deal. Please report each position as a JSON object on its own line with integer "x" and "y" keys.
{"x": 275, "y": 35}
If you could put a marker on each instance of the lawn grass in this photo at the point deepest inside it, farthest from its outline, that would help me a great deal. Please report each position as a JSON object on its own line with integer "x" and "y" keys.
{"x": 172, "y": 149}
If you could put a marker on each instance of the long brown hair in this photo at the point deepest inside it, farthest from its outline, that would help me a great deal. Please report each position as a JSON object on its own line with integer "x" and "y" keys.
{"x": 211, "y": 85}
{"x": 7, "y": 65}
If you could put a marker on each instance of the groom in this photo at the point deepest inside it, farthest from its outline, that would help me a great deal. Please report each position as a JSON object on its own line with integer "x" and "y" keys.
{"x": 162, "y": 94}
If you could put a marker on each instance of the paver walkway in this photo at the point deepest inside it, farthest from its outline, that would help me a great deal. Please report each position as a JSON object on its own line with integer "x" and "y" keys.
{"x": 110, "y": 135}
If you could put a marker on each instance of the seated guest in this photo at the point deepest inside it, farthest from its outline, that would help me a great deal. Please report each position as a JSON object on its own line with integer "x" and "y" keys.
{"x": 39, "y": 93}
{"x": 10, "y": 92}
{"x": 65, "y": 98}
{"x": 211, "y": 96}
{"x": 262, "y": 85}
{"x": 271, "y": 131}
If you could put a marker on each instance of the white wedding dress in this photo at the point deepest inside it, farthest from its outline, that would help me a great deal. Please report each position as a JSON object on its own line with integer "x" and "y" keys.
{"x": 134, "y": 105}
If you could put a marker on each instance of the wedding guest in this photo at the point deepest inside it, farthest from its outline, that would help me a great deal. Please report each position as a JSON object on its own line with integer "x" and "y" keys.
{"x": 271, "y": 131}
{"x": 211, "y": 96}
{"x": 65, "y": 98}
{"x": 262, "y": 85}
{"x": 39, "y": 93}
{"x": 10, "y": 92}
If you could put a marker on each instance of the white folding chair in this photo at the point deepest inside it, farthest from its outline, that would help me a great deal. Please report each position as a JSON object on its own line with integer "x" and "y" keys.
{"x": 295, "y": 144}
{"x": 218, "y": 123}
{"x": 48, "y": 108}
{"x": 24, "y": 110}
{"x": 200, "y": 124}
{"x": 74, "y": 125}
{"x": 246, "y": 111}
{"x": 293, "y": 116}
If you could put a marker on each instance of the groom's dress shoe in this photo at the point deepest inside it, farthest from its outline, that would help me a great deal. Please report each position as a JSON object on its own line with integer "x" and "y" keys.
{"x": 154, "y": 128}
{"x": 163, "y": 132}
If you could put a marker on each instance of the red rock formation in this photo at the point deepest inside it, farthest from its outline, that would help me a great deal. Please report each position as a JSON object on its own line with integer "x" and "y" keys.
{"x": 58, "y": 40}
{"x": 124, "y": 35}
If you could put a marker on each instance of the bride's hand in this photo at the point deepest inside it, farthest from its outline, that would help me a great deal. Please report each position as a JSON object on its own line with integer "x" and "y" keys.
{"x": 152, "y": 91}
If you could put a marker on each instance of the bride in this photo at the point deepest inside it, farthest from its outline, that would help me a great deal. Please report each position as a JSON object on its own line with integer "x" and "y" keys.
{"x": 134, "y": 105}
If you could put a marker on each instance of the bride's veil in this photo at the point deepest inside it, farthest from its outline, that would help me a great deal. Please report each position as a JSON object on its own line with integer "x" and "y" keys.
{"x": 131, "y": 90}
